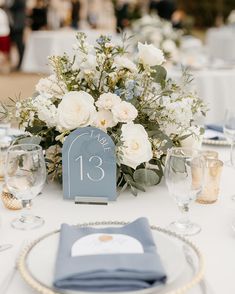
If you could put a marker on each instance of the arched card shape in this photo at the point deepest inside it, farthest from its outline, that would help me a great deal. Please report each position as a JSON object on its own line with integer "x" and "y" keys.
{"x": 95, "y": 244}
{"x": 89, "y": 164}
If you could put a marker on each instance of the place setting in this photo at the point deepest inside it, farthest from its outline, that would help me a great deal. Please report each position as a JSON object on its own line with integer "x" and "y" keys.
{"x": 116, "y": 147}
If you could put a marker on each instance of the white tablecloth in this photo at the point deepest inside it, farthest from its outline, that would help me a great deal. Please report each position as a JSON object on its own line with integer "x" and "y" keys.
{"x": 42, "y": 44}
{"x": 216, "y": 240}
{"x": 216, "y": 87}
{"x": 221, "y": 43}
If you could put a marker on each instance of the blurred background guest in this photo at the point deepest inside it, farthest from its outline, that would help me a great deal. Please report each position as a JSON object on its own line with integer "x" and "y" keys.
{"x": 126, "y": 11}
{"x": 17, "y": 13}
{"x": 4, "y": 40}
{"x": 164, "y": 8}
{"x": 39, "y": 16}
{"x": 75, "y": 13}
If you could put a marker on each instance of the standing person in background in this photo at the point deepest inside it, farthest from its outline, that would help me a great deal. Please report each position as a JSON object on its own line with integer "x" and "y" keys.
{"x": 75, "y": 13}
{"x": 39, "y": 16}
{"x": 164, "y": 8}
{"x": 17, "y": 10}
{"x": 4, "y": 40}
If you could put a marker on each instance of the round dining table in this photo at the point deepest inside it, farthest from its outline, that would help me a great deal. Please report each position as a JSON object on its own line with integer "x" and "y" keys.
{"x": 216, "y": 240}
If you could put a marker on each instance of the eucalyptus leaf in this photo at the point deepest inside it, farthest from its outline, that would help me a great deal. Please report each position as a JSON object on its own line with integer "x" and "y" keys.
{"x": 146, "y": 177}
{"x": 29, "y": 140}
{"x": 160, "y": 74}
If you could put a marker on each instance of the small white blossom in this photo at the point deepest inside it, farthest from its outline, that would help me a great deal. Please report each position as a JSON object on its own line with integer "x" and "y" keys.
{"x": 121, "y": 62}
{"x": 51, "y": 87}
{"x": 124, "y": 112}
{"x": 103, "y": 120}
{"x": 46, "y": 110}
{"x": 107, "y": 101}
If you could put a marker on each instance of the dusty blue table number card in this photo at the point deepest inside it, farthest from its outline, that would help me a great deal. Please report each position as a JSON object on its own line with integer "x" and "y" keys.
{"x": 89, "y": 166}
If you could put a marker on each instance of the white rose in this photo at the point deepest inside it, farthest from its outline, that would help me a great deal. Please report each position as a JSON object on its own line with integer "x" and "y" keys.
{"x": 103, "y": 120}
{"x": 150, "y": 55}
{"x": 136, "y": 147}
{"x": 107, "y": 101}
{"x": 121, "y": 62}
{"x": 124, "y": 112}
{"x": 75, "y": 110}
{"x": 51, "y": 87}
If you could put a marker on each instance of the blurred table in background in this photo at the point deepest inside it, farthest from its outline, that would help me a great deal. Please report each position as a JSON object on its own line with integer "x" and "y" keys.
{"x": 42, "y": 44}
{"x": 221, "y": 43}
{"x": 216, "y": 87}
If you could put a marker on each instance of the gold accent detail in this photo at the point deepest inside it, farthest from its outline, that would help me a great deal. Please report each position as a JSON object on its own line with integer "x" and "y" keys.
{"x": 43, "y": 289}
{"x": 10, "y": 201}
{"x": 105, "y": 238}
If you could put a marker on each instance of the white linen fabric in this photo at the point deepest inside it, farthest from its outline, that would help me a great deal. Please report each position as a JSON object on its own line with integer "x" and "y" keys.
{"x": 221, "y": 43}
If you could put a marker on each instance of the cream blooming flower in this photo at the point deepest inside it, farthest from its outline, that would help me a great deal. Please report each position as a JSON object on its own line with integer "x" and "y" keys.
{"x": 136, "y": 147}
{"x": 51, "y": 87}
{"x": 124, "y": 112}
{"x": 150, "y": 55}
{"x": 75, "y": 110}
{"x": 121, "y": 62}
{"x": 103, "y": 120}
{"x": 107, "y": 101}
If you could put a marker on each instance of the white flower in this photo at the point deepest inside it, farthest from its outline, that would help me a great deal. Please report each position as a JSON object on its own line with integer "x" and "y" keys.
{"x": 150, "y": 55}
{"x": 85, "y": 62}
{"x": 108, "y": 101}
{"x": 46, "y": 110}
{"x": 124, "y": 112}
{"x": 136, "y": 147}
{"x": 51, "y": 87}
{"x": 169, "y": 46}
{"x": 121, "y": 62}
{"x": 103, "y": 120}
{"x": 195, "y": 138}
{"x": 75, "y": 110}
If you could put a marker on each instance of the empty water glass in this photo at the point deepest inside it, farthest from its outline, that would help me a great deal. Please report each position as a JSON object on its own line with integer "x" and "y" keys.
{"x": 25, "y": 175}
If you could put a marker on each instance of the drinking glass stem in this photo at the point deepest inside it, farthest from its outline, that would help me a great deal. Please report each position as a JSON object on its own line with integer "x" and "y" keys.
{"x": 231, "y": 153}
{"x": 184, "y": 221}
{"x": 25, "y": 216}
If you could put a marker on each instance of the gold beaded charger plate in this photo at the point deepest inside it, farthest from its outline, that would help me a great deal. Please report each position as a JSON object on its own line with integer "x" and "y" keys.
{"x": 216, "y": 142}
{"x": 37, "y": 260}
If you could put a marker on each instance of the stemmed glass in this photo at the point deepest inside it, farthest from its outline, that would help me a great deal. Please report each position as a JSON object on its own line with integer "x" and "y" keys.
{"x": 184, "y": 175}
{"x": 229, "y": 132}
{"x": 25, "y": 175}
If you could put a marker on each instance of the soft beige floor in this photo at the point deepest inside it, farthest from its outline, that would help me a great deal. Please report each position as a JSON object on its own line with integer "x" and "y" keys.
{"x": 16, "y": 84}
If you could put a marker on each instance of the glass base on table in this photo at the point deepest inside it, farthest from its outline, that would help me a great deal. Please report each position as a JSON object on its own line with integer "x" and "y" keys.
{"x": 184, "y": 228}
{"x": 28, "y": 222}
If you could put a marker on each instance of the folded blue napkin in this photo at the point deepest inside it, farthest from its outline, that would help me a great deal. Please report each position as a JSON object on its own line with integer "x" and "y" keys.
{"x": 109, "y": 272}
{"x": 214, "y": 132}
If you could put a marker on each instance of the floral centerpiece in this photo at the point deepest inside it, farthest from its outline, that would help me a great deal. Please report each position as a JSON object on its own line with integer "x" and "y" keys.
{"x": 160, "y": 33}
{"x": 144, "y": 112}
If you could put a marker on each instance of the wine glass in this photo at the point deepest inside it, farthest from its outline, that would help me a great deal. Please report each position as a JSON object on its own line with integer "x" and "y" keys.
{"x": 25, "y": 175}
{"x": 184, "y": 175}
{"x": 229, "y": 132}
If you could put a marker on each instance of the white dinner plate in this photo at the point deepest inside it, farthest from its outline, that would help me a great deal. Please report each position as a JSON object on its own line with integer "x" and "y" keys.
{"x": 37, "y": 262}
